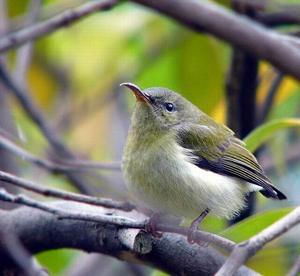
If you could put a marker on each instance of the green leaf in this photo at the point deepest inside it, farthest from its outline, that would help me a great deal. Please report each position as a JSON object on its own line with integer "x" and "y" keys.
{"x": 265, "y": 131}
{"x": 56, "y": 261}
{"x": 288, "y": 108}
{"x": 202, "y": 71}
{"x": 275, "y": 260}
{"x": 253, "y": 225}
{"x": 158, "y": 273}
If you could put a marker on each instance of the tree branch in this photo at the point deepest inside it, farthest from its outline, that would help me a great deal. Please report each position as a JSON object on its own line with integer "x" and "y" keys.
{"x": 268, "y": 102}
{"x": 170, "y": 253}
{"x": 280, "y": 50}
{"x": 48, "y": 26}
{"x": 37, "y": 117}
{"x": 60, "y": 165}
{"x": 241, "y": 87}
{"x": 285, "y": 15}
{"x": 24, "y": 54}
{"x": 108, "y": 218}
{"x": 19, "y": 256}
{"x": 295, "y": 268}
{"x": 63, "y": 214}
{"x": 7, "y": 162}
{"x": 33, "y": 111}
{"x": 33, "y": 187}
{"x": 243, "y": 251}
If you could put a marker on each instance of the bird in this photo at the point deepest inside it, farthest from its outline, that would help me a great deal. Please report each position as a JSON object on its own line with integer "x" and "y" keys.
{"x": 177, "y": 160}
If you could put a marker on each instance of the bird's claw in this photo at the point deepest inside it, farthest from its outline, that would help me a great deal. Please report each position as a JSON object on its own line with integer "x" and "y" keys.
{"x": 192, "y": 238}
{"x": 192, "y": 231}
{"x": 151, "y": 226}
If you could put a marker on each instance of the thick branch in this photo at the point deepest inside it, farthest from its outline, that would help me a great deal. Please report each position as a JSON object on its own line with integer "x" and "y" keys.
{"x": 278, "y": 49}
{"x": 110, "y": 217}
{"x": 171, "y": 253}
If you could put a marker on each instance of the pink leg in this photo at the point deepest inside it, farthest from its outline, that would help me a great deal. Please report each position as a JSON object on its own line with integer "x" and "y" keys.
{"x": 151, "y": 226}
{"x": 194, "y": 226}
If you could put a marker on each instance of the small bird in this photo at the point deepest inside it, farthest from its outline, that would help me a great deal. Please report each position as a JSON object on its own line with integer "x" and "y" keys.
{"x": 178, "y": 160}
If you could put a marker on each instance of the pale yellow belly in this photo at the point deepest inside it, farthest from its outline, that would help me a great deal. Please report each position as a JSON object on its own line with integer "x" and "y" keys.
{"x": 170, "y": 183}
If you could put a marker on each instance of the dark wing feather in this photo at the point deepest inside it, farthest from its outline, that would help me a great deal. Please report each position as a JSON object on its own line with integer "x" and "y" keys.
{"x": 216, "y": 148}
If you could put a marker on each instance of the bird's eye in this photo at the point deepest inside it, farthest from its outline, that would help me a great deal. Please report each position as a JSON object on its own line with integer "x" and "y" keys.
{"x": 170, "y": 107}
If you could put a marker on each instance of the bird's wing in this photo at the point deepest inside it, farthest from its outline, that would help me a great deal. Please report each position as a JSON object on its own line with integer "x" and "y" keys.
{"x": 217, "y": 149}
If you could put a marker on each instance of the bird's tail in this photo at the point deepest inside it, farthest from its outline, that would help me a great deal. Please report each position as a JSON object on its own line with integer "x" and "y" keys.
{"x": 273, "y": 193}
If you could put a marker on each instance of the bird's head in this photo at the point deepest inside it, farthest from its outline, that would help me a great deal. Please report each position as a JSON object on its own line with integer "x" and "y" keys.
{"x": 162, "y": 106}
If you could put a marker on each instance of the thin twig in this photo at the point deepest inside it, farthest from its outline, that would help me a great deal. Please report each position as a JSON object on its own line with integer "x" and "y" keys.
{"x": 7, "y": 126}
{"x": 51, "y": 9}
{"x": 282, "y": 15}
{"x": 32, "y": 110}
{"x": 33, "y": 187}
{"x": 275, "y": 19}
{"x": 48, "y": 26}
{"x": 62, "y": 214}
{"x": 59, "y": 165}
{"x": 268, "y": 102}
{"x": 49, "y": 133}
{"x": 111, "y": 219}
{"x": 24, "y": 54}
{"x": 7, "y": 135}
{"x": 295, "y": 268}
{"x": 205, "y": 236}
{"x": 77, "y": 164}
{"x": 243, "y": 251}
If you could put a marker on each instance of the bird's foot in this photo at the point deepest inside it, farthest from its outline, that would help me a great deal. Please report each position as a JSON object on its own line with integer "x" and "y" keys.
{"x": 192, "y": 231}
{"x": 151, "y": 226}
{"x": 192, "y": 237}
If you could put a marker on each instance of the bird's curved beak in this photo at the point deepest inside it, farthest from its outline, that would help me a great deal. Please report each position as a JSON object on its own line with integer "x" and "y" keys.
{"x": 139, "y": 94}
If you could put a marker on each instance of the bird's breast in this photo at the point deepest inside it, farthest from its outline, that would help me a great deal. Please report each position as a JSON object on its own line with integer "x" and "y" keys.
{"x": 163, "y": 177}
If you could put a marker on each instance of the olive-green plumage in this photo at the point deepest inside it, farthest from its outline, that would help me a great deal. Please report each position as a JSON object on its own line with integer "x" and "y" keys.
{"x": 177, "y": 159}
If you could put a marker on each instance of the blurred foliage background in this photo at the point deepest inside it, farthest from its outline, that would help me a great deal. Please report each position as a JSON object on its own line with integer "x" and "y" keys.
{"x": 73, "y": 76}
